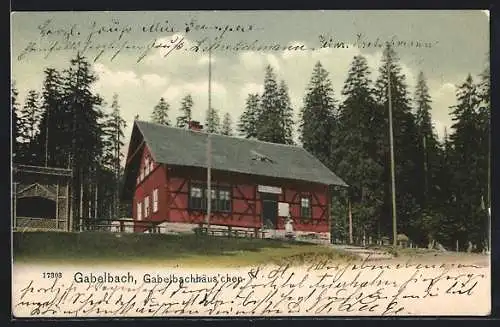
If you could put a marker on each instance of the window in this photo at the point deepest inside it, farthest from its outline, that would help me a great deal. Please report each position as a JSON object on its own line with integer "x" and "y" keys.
{"x": 146, "y": 166}
{"x": 221, "y": 198}
{"x": 213, "y": 206}
{"x": 196, "y": 197}
{"x": 155, "y": 200}
{"x": 151, "y": 165}
{"x": 305, "y": 207}
{"x": 146, "y": 206}
{"x": 139, "y": 210}
{"x": 224, "y": 200}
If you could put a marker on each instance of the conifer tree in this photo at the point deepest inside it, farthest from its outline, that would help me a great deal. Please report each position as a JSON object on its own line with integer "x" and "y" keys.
{"x": 14, "y": 105}
{"x": 247, "y": 125}
{"x": 356, "y": 152}
{"x": 269, "y": 125}
{"x": 430, "y": 152}
{"x": 185, "y": 112}
{"x": 317, "y": 117}
{"x": 406, "y": 145}
{"x": 54, "y": 125}
{"x": 212, "y": 121}
{"x": 113, "y": 140}
{"x": 29, "y": 119}
{"x": 226, "y": 128}
{"x": 469, "y": 166}
{"x": 286, "y": 114}
{"x": 30, "y": 116}
{"x": 160, "y": 113}
{"x": 85, "y": 112}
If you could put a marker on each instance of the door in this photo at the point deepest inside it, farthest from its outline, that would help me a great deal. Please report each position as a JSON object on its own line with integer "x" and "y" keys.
{"x": 269, "y": 210}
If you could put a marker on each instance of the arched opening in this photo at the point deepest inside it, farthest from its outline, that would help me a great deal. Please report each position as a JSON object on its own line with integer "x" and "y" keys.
{"x": 36, "y": 207}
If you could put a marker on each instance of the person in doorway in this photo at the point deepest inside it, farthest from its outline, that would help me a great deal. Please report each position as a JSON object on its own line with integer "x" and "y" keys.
{"x": 289, "y": 233}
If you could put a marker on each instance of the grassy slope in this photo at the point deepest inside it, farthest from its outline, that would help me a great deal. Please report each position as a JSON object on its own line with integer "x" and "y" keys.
{"x": 96, "y": 247}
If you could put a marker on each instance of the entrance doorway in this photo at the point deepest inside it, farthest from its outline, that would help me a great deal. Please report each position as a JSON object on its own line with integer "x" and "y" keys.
{"x": 269, "y": 210}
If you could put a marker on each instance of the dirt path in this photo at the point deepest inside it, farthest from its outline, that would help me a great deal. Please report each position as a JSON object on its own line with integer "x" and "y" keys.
{"x": 423, "y": 256}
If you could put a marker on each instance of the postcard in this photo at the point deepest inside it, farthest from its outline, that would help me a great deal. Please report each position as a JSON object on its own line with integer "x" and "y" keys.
{"x": 250, "y": 164}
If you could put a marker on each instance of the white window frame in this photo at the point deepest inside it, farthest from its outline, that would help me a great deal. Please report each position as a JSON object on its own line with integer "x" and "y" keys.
{"x": 224, "y": 195}
{"x": 151, "y": 165}
{"x": 146, "y": 166}
{"x": 155, "y": 200}
{"x": 303, "y": 200}
{"x": 196, "y": 192}
{"x": 146, "y": 207}
{"x": 139, "y": 210}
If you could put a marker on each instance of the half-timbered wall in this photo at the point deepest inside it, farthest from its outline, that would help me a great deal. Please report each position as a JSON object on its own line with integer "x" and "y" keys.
{"x": 246, "y": 205}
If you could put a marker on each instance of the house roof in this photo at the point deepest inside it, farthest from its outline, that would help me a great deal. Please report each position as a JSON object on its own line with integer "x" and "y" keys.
{"x": 184, "y": 147}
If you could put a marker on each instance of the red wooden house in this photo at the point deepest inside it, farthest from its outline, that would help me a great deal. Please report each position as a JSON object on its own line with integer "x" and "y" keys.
{"x": 254, "y": 184}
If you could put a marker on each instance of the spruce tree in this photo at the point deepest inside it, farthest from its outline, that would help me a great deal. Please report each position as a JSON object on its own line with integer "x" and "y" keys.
{"x": 29, "y": 120}
{"x": 484, "y": 120}
{"x": 247, "y": 125}
{"x": 356, "y": 154}
{"x": 445, "y": 211}
{"x": 406, "y": 145}
{"x": 30, "y": 116}
{"x": 14, "y": 105}
{"x": 317, "y": 117}
{"x": 226, "y": 128}
{"x": 185, "y": 112}
{"x": 212, "y": 121}
{"x": 470, "y": 166}
{"x": 269, "y": 125}
{"x": 286, "y": 114}
{"x": 83, "y": 109}
{"x": 429, "y": 156}
{"x": 55, "y": 133}
{"x": 113, "y": 140}
{"x": 432, "y": 167}
{"x": 160, "y": 113}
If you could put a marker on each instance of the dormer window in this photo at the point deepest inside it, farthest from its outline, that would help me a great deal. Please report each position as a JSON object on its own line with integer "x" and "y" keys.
{"x": 260, "y": 157}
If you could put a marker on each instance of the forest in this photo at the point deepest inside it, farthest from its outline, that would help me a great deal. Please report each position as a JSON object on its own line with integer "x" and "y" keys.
{"x": 442, "y": 186}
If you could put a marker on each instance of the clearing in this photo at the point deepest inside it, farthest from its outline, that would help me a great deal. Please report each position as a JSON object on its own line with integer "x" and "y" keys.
{"x": 187, "y": 250}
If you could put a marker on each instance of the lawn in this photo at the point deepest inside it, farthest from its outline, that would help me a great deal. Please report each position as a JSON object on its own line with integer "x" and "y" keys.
{"x": 191, "y": 250}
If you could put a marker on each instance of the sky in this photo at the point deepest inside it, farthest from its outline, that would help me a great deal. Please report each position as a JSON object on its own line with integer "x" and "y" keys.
{"x": 447, "y": 46}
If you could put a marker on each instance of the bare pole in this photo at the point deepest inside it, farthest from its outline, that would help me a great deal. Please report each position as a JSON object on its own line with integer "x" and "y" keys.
{"x": 488, "y": 231}
{"x": 426, "y": 178}
{"x": 391, "y": 140}
{"x": 116, "y": 202}
{"x": 209, "y": 143}
{"x": 350, "y": 223}
{"x": 47, "y": 137}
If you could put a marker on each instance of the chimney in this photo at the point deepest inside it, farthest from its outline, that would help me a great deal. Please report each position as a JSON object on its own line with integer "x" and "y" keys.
{"x": 195, "y": 125}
